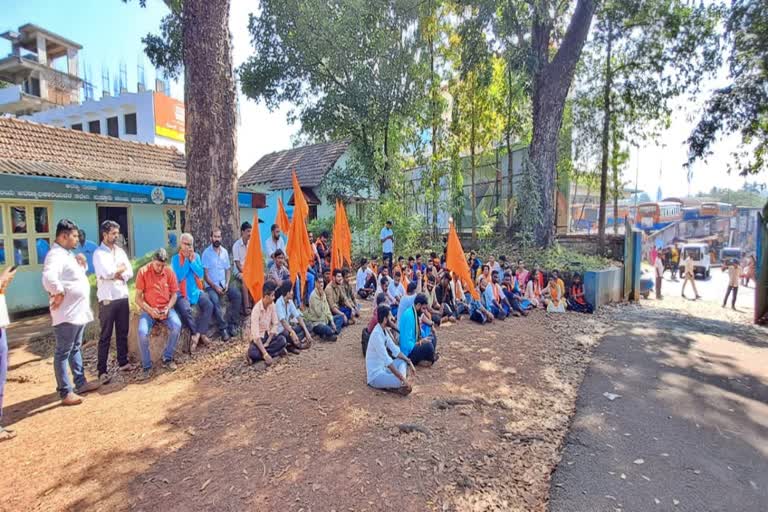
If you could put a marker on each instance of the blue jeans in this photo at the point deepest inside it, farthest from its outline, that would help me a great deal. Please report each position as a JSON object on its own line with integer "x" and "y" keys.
{"x": 69, "y": 340}
{"x": 201, "y": 324}
{"x": 3, "y": 365}
{"x": 347, "y": 312}
{"x": 146, "y": 322}
{"x": 232, "y": 322}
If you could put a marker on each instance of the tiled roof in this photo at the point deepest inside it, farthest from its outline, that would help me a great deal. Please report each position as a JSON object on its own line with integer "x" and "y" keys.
{"x": 312, "y": 163}
{"x": 42, "y": 150}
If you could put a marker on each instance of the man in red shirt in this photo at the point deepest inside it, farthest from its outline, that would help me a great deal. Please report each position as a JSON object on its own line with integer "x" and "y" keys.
{"x": 156, "y": 288}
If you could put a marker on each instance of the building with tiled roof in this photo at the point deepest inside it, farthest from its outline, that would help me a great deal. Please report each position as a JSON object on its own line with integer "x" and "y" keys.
{"x": 48, "y": 173}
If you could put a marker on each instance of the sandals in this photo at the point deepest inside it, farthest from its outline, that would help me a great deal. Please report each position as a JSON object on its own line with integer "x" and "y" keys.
{"x": 6, "y": 434}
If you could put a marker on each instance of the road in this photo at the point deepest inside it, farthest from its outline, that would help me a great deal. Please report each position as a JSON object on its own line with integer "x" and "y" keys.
{"x": 688, "y": 430}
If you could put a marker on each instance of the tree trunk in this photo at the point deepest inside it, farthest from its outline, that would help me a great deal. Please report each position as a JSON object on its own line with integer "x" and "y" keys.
{"x": 551, "y": 82}
{"x": 472, "y": 135}
{"x": 607, "y": 85}
{"x": 211, "y": 121}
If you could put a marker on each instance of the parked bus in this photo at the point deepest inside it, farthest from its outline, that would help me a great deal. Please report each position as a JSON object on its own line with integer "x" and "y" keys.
{"x": 653, "y": 216}
{"x": 586, "y": 217}
{"x": 716, "y": 210}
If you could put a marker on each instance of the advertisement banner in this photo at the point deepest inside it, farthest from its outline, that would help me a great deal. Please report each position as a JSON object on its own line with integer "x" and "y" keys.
{"x": 169, "y": 117}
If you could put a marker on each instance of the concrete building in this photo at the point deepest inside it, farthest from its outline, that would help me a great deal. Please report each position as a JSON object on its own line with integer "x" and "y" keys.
{"x": 42, "y": 70}
{"x": 48, "y": 173}
{"x": 272, "y": 175}
{"x": 146, "y": 116}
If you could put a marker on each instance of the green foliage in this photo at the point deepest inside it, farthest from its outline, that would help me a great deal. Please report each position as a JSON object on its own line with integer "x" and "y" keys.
{"x": 748, "y": 195}
{"x": 556, "y": 257}
{"x": 409, "y": 227}
{"x": 742, "y": 105}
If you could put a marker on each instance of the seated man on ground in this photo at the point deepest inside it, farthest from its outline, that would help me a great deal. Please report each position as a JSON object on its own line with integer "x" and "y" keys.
{"x": 499, "y": 295}
{"x": 419, "y": 349}
{"x": 322, "y": 322}
{"x": 365, "y": 282}
{"x": 444, "y": 296}
{"x": 513, "y": 296}
{"x": 556, "y": 301}
{"x": 381, "y": 300}
{"x": 488, "y": 298}
{"x": 337, "y": 301}
{"x": 156, "y": 293}
{"x": 459, "y": 295}
{"x": 217, "y": 278}
{"x": 435, "y": 308}
{"x": 266, "y": 343}
{"x": 382, "y": 371}
{"x": 396, "y": 290}
{"x": 577, "y": 302}
{"x": 279, "y": 271}
{"x": 349, "y": 293}
{"x": 477, "y": 311}
{"x": 188, "y": 268}
{"x": 291, "y": 322}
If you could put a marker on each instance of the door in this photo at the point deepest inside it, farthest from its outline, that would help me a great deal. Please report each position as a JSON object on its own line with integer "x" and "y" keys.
{"x": 118, "y": 214}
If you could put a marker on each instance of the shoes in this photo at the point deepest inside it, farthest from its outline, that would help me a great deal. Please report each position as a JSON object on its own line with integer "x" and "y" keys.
{"x": 332, "y": 337}
{"x": 170, "y": 365}
{"x": 145, "y": 374}
{"x": 127, "y": 367}
{"x": 88, "y": 387}
{"x": 292, "y": 349}
{"x": 104, "y": 379}
{"x": 225, "y": 335}
{"x": 71, "y": 399}
{"x": 404, "y": 390}
{"x": 6, "y": 434}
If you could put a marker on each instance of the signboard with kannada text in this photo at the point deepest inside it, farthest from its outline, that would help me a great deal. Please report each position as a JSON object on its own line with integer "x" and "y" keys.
{"x": 169, "y": 117}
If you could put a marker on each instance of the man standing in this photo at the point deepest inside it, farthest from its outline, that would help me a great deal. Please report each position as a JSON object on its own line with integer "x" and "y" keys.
{"x": 67, "y": 285}
{"x": 274, "y": 243}
{"x": 188, "y": 268}
{"x": 674, "y": 258}
{"x": 239, "y": 250}
{"x": 113, "y": 271}
{"x": 6, "y": 277}
{"x": 689, "y": 276}
{"x": 387, "y": 237}
{"x": 734, "y": 274}
{"x": 86, "y": 248}
{"x": 217, "y": 273}
{"x": 156, "y": 289}
{"x": 659, "y": 266}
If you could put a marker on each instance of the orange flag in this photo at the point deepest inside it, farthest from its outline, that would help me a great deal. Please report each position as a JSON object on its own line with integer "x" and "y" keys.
{"x": 456, "y": 262}
{"x": 341, "y": 249}
{"x": 299, "y": 249}
{"x": 299, "y": 201}
{"x": 346, "y": 233}
{"x": 282, "y": 218}
{"x": 253, "y": 266}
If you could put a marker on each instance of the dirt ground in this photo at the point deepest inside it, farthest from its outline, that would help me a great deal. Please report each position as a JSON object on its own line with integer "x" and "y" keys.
{"x": 306, "y": 434}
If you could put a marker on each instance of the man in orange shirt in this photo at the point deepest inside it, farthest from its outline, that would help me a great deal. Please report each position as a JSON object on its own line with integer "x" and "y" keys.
{"x": 156, "y": 291}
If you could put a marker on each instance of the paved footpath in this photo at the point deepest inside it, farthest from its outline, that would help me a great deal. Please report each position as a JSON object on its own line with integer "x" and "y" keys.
{"x": 689, "y": 429}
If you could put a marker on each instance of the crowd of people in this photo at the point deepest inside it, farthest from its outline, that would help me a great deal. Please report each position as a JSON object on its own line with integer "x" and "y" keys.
{"x": 412, "y": 297}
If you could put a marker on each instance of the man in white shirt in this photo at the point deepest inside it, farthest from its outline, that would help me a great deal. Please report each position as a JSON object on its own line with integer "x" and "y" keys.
{"x": 690, "y": 276}
{"x": 290, "y": 320}
{"x": 387, "y": 237}
{"x": 217, "y": 275}
{"x": 67, "y": 285}
{"x": 396, "y": 291}
{"x": 659, "y": 269}
{"x": 365, "y": 282}
{"x": 383, "y": 372}
{"x": 734, "y": 276}
{"x": 113, "y": 271}
{"x": 274, "y": 243}
{"x": 239, "y": 251}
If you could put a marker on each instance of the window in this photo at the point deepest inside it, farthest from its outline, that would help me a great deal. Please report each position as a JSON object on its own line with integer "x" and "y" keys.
{"x": 94, "y": 126}
{"x": 78, "y": 127}
{"x": 25, "y": 229}
{"x": 175, "y": 224}
{"x": 130, "y": 124}
{"x": 112, "y": 128}
{"x": 312, "y": 212}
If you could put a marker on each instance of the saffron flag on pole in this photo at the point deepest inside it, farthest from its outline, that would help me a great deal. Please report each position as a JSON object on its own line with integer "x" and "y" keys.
{"x": 299, "y": 201}
{"x": 346, "y": 233}
{"x": 282, "y": 218}
{"x": 336, "y": 241}
{"x": 456, "y": 261}
{"x": 253, "y": 266}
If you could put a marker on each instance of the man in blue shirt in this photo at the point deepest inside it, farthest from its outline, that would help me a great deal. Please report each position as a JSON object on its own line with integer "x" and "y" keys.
{"x": 218, "y": 270}
{"x": 416, "y": 348}
{"x": 387, "y": 237}
{"x": 86, "y": 248}
{"x": 188, "y": 267}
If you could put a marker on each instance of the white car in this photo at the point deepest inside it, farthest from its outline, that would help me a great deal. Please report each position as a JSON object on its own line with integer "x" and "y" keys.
{"x": 701, "y": 260}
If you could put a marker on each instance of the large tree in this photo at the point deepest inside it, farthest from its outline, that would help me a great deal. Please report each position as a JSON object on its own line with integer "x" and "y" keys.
{"x": 742, "y": 105}
{"x": 195, "y": 40}
{"x": 353, "y": 69}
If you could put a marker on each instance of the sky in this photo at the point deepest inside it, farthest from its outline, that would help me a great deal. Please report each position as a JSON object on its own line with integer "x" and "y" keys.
{"x": 110, "y": 32}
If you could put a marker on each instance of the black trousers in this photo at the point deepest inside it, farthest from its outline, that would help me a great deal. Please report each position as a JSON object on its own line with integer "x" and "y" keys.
{"x": 658, "y": 287}
{"x": 735, "y": 290}
{"x": 113, "y": 316}
{"x": 274, "y": 349}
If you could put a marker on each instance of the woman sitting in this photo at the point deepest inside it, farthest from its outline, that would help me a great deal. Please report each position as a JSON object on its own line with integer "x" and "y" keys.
{"x": 533, "y": 291}
{"x": 556, "y": 302}
{"x": 577, "y": 302}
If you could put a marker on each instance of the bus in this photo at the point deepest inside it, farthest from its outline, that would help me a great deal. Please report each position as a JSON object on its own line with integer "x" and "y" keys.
{"x": 709, "y": 210}
{"x": 654, "y": 216}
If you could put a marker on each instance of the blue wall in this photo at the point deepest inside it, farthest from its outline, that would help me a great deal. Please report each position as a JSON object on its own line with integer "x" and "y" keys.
{"x": 148, "y": 228}
{"x": 84, "y": 214}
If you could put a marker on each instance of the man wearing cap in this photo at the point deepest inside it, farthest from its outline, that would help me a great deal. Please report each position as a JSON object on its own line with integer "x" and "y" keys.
{"x": 387, "y": 237}
{"x": 217, "y": 273}
{"x": 156, "y": 292}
